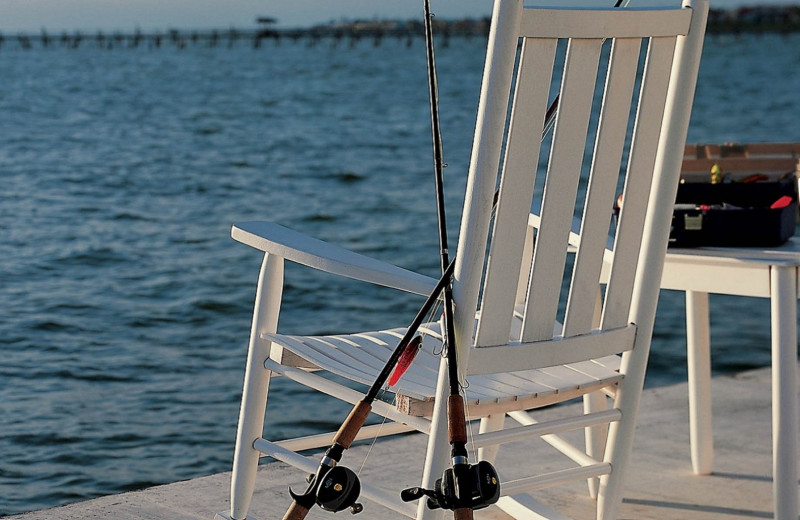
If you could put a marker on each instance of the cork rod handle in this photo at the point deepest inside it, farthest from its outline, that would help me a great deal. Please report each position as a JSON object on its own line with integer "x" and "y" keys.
{"x": 296, "y": 512}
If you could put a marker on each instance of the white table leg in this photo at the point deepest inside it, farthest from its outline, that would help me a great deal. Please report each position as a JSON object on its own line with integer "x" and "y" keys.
{"x": 698, "y": 358}
{"x": 783, "y": 300}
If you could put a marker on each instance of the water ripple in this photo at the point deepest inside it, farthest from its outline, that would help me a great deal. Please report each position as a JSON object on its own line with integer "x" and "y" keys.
{"x": 126, "y": 305}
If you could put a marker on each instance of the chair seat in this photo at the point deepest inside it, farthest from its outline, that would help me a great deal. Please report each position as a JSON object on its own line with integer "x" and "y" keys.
{"x": 360, "y": 358}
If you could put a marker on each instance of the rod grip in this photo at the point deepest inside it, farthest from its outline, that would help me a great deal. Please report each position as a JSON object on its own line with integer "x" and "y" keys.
{"x": 296, "y": 512}
{"x": 464, "y": 513}
{"x": 351, "y": 426}
{"x": 456, "y": 420}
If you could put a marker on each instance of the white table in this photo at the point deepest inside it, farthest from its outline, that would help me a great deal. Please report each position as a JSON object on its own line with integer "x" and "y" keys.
{"x": 761, "y": 272}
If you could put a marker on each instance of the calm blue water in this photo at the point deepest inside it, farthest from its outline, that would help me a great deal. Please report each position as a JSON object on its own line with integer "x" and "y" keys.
{"x": 124, "y": 304}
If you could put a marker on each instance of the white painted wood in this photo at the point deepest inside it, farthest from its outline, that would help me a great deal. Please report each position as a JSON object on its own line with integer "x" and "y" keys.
{"x": 558, "y": 200}
{"x": 524, "y": 274}
{"x": 785, "y": 254}
{"x": 711, "y": 274}
{"x": 329, "y": 352}
{"x": 541, "y": 429}
{"x": 517, "y": 355}
{"x": 299, "y": 346}
{"x": 604, "y": 23}
{"x": 437, "y": 451}
{"x": 555, "y": 478}
{"x": 783, "y": 305}
{"x": 579, "y": 456}
{"x": 347, "y": 394}
{"x": 780, "y": 286}
{"x": 683, "y": 78}
{"x": 296, "y": 247}
{"x": 256, "y": 384}
{"x": 603, "y": 177}
{"x": 516, "y": 191}
{"x": 556, "y": 352}
{"x": 488, "y": 424}
{"x": 698, "y": 361}
{"x": 595, "y": 402}
{"x": 483, "y": 169}
{"x": 324, "y": 440}
{"x": 598, "y": 368}
{"x": 645, "y": 141}
{"x": 595, "y": 436}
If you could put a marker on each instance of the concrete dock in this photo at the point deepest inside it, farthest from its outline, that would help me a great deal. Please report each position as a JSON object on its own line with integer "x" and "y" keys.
{"x": 660, "y": 485}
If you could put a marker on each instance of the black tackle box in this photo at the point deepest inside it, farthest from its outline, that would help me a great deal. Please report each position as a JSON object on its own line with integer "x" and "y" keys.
{"x": 735, "y": 214}
{"x": 736, "y": 195}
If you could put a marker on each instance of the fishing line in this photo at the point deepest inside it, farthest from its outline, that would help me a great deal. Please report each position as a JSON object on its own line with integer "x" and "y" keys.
{"x": 470, "y": 431}
{"x": 374, "y": 441}
{"x": 423, "y": 331}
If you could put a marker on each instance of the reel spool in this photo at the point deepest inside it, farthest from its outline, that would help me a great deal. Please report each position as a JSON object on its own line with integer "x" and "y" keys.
{"x": 484, "y": 489}
{"x": 333, "y": 490}
{"x": 338, "y": 490}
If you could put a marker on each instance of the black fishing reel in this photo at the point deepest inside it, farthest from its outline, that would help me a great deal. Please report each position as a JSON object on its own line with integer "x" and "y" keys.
{"x": 333, "y": 489}
{"x": 482, "y": 482}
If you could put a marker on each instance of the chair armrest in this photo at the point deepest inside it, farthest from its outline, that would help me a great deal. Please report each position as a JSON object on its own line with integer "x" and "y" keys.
{"x": 302, "y": 249}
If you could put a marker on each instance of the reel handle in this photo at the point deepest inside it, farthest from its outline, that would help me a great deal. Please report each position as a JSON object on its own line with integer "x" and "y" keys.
{"x": 411, "y": 494}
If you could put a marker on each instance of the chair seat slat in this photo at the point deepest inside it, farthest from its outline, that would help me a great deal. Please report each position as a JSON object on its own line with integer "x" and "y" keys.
{"x": 420, "y": 382}
{"x": 380, "y": 352}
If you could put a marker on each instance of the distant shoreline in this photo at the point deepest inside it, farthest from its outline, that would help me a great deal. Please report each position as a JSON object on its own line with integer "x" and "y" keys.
{"x": 746, "y": 19}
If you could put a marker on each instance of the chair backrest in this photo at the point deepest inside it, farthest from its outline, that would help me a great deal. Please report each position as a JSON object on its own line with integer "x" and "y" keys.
{"x": 624, "y": 79}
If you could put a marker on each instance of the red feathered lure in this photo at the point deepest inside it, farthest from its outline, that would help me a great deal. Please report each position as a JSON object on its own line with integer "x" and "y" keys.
{"x": 408, "y": 355}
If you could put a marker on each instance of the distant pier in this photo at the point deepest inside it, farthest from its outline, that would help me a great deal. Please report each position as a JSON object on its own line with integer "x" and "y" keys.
{"x": 753, "y": 19}
{"x": 348, "y": 34}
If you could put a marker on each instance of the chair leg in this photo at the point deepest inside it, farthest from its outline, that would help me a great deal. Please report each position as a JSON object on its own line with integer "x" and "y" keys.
{"x": 619, "y": 445}
{"x": 595, "y": 435}
{"x": 596, "y": 402}
{"x": 491, "y": 423}
{"x": 256, "y": 384}
{"x": 437, "y": 456}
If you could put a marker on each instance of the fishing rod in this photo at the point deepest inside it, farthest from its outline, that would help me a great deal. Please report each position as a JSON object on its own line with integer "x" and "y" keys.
{"x": 463, "y": 487}
{"x": 336, "y": 488}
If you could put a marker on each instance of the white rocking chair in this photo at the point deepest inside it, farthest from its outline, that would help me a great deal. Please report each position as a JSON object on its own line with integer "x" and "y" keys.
{"x": 622, "y": 125}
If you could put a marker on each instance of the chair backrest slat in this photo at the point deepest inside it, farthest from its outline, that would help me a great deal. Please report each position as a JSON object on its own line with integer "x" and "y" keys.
{"x": 601, "y": 190}
{"x": 606, "y": 139}
{"x": 561, "y": 186}
{"x": 484, "y": 163}
{"x": 641, "y": 161}
{"x": 516, "y": 191}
